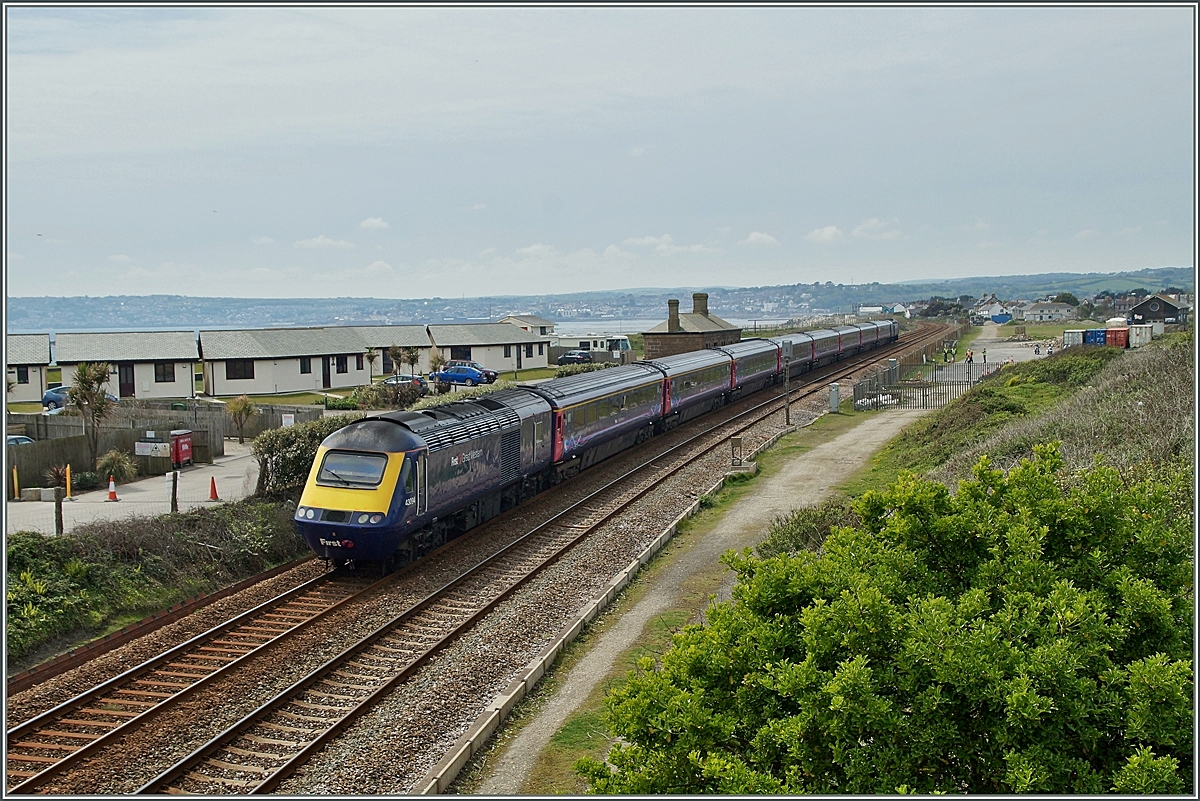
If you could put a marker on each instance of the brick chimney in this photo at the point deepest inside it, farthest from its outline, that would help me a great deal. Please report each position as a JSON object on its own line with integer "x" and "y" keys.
{"x": 673, "y": 317}
{"x": 700, "y": 303}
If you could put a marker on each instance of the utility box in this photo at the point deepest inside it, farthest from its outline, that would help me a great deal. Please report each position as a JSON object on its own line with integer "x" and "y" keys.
{"x": 834, "y": 402}
{"x": 152, "y": 455}
{"x": 181, "y": 447}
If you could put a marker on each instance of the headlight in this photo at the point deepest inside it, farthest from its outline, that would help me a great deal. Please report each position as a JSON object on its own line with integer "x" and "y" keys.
{"x": 300, "y": 511}
{"x": 309, "y": 514}
{"x": 376, "y": 518}
{"x": 363, "y": 518}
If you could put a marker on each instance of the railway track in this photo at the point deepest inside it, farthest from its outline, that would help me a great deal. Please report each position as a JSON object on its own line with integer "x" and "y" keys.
{"x": 260, "y": 751}
{"x": 267, "y": 746}
{"x": 49, "y": 744}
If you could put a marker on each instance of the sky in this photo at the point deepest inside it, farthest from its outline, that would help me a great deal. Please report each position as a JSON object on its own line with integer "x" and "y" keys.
{"x": 417, "y": 152}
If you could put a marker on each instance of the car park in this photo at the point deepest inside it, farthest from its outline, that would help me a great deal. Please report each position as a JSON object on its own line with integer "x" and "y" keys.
{"x": 459, "y": 375}
{"x": 489, "y": 376}
{"x": 402, "y": 378}
{"x": 18, "y": 439}
{"x": 575, "y": 357}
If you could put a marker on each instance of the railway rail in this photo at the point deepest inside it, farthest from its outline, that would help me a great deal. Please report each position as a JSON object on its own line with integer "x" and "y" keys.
{"x": 267, "y": 746}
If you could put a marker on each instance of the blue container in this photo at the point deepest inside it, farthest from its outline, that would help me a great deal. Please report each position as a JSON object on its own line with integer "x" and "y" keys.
{"x": 1094, "y": 336}
{"x": 1001, "y": 318}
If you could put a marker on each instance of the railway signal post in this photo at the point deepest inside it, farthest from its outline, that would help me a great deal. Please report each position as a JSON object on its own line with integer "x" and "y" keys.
{"x": 787, "y": 382}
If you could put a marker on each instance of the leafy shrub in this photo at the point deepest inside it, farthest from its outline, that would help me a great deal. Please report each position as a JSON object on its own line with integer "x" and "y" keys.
{"x": 119, "y": 465}
{"x": 343, "y": 404}
{"x": 56, "y": 475}
{"x": 1030, "y": 634}
{"x": 84, "y": 480}
{"x": 111, "y": 569}
{"x": 434, "y": 401}
{"x": 285, "y": 455}
{"x": 587, "y": 367}
{"x": 805, "y": 529}
{"x": 384, "y": 396}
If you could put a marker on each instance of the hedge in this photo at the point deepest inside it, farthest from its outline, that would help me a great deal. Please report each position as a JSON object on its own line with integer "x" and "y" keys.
{"x": 285, "y": 455}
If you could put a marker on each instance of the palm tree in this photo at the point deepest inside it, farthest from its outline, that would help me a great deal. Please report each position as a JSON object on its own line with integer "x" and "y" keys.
{"x": 412, "y": 356}
{"x": 372, "y": 355}
{"x": 397, "y": 354}
{"x": 88, "y": 396}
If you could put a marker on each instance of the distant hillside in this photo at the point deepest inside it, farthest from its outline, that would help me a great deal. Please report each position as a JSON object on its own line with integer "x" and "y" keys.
{"x": 128, "y": 312}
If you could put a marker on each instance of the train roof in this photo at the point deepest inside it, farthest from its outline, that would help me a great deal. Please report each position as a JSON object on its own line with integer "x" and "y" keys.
{"x": 374, "y": 434}
{"x": 456, "y": 422}
{"x": 747, "y": 347}
{"x": 575, "y": 388}
{"x": 692, "y": 360}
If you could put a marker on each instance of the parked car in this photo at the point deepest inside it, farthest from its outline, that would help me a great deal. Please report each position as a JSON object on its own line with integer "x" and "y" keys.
{"x": 575, "y": 357}
{"x": 459, "y": 375}
{"x": 489, "y": 376}
{"x": 403, "y": 378}
{"x": 18, "y": 439}
{"x": 56, "y": 397}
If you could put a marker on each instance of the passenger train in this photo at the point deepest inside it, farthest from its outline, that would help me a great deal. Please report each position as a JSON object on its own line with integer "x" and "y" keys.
{"x": 391, "y": 487}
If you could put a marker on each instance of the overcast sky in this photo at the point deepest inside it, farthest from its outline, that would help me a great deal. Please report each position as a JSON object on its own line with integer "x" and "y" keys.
{"x": 401, "y": 152}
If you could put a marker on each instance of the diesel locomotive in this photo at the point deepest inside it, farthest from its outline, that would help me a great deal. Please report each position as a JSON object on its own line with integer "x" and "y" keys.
{"x": 389, "y": 488}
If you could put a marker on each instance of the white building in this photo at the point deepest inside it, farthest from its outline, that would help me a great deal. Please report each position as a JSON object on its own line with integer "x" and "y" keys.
{"x": 383, "y": 337}
{"x": 269, "y": 361}
{"x": 142, "y": 364}
{"x": 1049, "y": 312}
{"x": 531, "y": 323}
{"x": 26, "y": 360}
{"x": 497, "y": 346}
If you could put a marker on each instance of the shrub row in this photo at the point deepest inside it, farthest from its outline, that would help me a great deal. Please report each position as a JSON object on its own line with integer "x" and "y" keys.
{"x": 106, "y": 572}
{"x": 285, "y": 455}
{"x": 576, "y": 369}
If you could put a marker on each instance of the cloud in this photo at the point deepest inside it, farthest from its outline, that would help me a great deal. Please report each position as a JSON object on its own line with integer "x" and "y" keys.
{"x": 665, "y": 239}
{"x": 638, "y": 151}
{"x": 120, "y": 258}
{"x": 1086, "y": 233}
{"x": 876, "y": 228}
{"x": 539, "y": 251}
{"x": 374, "y": 223}
{"x": 323, "y": 241}
{"x": 263, "y": 240}
{"x": 830, "y": 233}
{"x": 1132, "y": 230}
{"x": 15, "y": 256}
{"x": 487, "y": 252}
{"x": 479, "y": 207}
{"x": 757, "y": 238}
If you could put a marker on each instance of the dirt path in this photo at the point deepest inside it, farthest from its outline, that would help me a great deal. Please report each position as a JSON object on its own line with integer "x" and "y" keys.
{"x": 804, "y": 481}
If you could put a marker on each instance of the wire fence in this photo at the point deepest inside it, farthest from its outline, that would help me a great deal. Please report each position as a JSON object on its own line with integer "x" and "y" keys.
{"x": 918, "y": 382}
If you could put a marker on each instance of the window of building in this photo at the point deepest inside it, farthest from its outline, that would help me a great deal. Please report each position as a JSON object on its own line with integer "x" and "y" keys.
{"x": 460, "y": 353}
{"x": 508, "y": 351}
{"x": 341, "y": 364}
{"x": 22, "y": 375}
{"x": 528, "y": 351}
{"x": 239, "y": 369}
{"x": 305, "y": 364}
{"x": 164, "y": 372}
{"x": 358, "y": 361}
{"x": 387, "y": 362}
{"x": 542, "y": 330}
{"x": 541, "y": 349}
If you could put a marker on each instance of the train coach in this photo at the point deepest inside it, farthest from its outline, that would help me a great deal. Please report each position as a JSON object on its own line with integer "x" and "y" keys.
{"x": 389, "y": 488}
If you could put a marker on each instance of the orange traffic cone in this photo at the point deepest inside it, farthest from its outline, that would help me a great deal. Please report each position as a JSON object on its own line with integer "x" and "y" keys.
{"x": 212, "y": 489}
{"x": 112, "y": 490}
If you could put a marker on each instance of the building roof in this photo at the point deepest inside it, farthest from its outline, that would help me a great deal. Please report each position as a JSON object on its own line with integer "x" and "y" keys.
{"x": 530, "y": 320}
{"x": 280, "y": 343}
{"x": 482, "y": 334}
{"x": 1175, "y": 304}
{"x": 384, "y": 336}
{"x": 126, "y": 346}
{"x": 692, "y": 323}
{"x": 1047, "y": 306}
{"x": 26, "y": 349}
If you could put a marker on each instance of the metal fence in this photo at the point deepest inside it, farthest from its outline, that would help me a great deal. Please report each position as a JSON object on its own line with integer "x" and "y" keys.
{"x": 918, "y": 382}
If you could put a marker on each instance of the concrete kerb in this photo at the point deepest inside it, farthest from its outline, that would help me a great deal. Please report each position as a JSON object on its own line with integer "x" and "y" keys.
{"x": 446, "y": 771}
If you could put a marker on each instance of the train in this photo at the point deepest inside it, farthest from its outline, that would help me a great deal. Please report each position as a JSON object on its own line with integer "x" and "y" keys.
{"x": 391, "y": 487}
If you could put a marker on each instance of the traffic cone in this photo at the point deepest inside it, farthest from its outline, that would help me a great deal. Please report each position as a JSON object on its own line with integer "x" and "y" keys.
{"x": 112, "y": 490}
{"x": 212, "y": 489}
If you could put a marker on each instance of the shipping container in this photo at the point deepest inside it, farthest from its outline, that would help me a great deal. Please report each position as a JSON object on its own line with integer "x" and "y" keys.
{"x": 1072, "y": 337}
{"x": 1117, "y": 338}
{"x": 1140, "y": 335}
{"x": 1093, "y": 336}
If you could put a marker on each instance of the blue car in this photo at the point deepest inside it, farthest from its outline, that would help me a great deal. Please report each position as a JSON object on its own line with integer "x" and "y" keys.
{"x": 56, "y": 397}
{"x": 460, "y": 374}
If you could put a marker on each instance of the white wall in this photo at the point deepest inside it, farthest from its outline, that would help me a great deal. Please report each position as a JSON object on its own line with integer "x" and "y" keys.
{"x": 492, "y": 357}
{"x": 422, "y": 363}
{"x": 274, "y": 376}
{"x": 31, "y": 392}
{"x": 146, "y": 387}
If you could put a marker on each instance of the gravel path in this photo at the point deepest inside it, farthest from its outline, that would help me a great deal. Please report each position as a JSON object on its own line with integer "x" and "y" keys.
{"x": 805, "y": 480}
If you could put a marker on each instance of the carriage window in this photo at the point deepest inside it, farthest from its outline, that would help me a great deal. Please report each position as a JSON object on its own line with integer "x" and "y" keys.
{"x": 410, "y": 478}
{"x": 345, "y": 469}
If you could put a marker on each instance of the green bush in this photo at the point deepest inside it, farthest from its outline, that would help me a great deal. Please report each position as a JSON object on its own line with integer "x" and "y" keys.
{"x": 285, "y": 455}
{"x": 576, "y": 369}
{"x": 111, "y": 570}
{"x": 384, "y": 396}
{"x": 343, "y": 404}
{"x": 434, "y": 401}
{"x": 119, "y": 465}
{"x": 805, "y": 529}
{"x": 84, "y": 480}
{"x": 1031, "y": 633}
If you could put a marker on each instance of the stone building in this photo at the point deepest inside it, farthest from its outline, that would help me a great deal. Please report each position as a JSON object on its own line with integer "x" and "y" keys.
{"x": 682, "y": 333}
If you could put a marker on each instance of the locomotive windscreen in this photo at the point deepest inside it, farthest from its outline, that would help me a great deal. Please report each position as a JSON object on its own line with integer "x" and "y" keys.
{"x": 342, "y": 469}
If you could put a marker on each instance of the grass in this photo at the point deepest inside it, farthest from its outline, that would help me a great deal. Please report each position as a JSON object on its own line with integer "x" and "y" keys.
{"x": 584, "y": 732}
{"x": 293, "y": 398}
{"x": 31, "y": 407}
